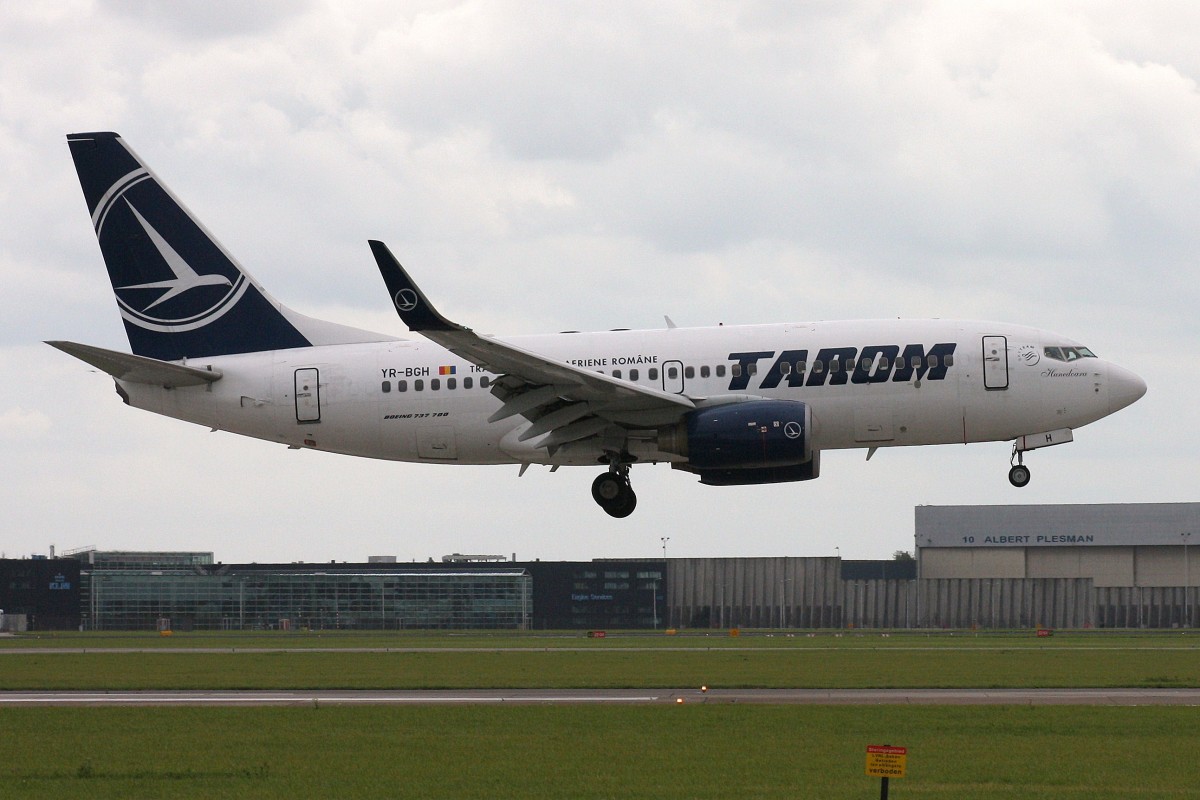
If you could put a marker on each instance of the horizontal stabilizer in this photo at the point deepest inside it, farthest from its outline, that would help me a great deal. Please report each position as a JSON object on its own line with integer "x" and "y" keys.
{"x": 138, "y": 369}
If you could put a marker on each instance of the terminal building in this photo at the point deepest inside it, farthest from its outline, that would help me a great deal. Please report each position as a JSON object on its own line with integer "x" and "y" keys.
{"x": 188, "y": 590}
{"x": 1001, "y": 567}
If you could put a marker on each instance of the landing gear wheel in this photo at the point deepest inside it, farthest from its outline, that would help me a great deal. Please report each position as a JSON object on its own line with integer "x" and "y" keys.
{"x": 607, "y": 488}
{"x": 1019, "y": 475}
{"x": 624, "y": 505}
{"x": 612, "y": 492}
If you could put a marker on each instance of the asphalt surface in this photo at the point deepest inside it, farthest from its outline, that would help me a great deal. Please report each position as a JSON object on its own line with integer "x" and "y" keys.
{"x": 1031, "y": 697}
{"x": 606, "y": 648}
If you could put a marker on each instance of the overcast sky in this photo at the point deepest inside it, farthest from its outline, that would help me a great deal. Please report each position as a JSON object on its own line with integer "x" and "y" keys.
{"x": 552, "y": 166}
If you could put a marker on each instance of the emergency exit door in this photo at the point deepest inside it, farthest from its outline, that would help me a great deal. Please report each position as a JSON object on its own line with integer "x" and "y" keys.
{"x": 672, "y": 377}
{"x": 995, "y": 362}
{"x": 308, "y": 395}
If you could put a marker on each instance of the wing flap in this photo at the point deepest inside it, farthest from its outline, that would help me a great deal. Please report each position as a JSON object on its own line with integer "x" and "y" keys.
{"x": 521, "y": 401}
{"x": 556, "y": 419}
{"x": 138, "y": 369}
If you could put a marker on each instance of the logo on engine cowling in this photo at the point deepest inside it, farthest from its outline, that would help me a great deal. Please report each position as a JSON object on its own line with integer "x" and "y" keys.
{"x": 792, "y": 430}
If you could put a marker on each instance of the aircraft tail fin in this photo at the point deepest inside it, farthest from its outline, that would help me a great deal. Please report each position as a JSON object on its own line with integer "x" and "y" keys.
{"x": 180, "y": 293}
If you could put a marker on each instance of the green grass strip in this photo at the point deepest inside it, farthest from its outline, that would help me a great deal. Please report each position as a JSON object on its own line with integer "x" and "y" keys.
{"x": 834, "y": 668}
{"x": 689, "y": 751}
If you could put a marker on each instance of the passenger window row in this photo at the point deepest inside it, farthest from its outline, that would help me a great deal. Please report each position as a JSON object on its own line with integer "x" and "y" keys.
{"x": 735, "y": 370}
{"x": 435, "y": 384}
{"x": 787, "y": 367}
{"x": 672, "y": 373}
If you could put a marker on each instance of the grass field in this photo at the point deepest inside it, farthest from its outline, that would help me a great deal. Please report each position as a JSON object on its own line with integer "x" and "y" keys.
{"x": 595, "y": 752}
{"x": 667, "y": 751}
{"x": 402, "y": 661}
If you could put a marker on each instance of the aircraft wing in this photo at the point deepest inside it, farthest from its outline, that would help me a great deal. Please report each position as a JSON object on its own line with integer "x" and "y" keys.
{"x": 138, "y": 369}
{"x": 566, "y": 401}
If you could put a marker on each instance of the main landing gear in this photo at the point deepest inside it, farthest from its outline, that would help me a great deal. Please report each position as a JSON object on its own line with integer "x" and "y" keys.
{"x": 1018, "y": 475}
{"x": 613, "y": 492}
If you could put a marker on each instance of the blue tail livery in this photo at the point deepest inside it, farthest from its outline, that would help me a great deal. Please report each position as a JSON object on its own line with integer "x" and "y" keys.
{"x": 180, "y": 293}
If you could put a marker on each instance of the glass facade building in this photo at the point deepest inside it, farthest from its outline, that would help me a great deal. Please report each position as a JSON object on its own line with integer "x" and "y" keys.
{"x": 186, "y": 591}
{"x": 599, "y": 594}
{"x": 124, "y": 590}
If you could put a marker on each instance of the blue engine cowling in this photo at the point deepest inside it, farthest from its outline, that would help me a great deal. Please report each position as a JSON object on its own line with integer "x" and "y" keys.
{"x": 744, "y": 477}
{"x": 754, "y": 435}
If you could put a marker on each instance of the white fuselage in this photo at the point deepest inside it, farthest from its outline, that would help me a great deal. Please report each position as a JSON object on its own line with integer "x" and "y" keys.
{"x": 412, "y": 400}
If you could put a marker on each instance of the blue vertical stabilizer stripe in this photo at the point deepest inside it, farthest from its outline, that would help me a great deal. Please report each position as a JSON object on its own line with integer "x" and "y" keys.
{"x": 181, "y": 295}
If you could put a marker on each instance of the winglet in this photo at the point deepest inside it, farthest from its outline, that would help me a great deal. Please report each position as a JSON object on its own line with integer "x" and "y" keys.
{"x": 410, "y": 302}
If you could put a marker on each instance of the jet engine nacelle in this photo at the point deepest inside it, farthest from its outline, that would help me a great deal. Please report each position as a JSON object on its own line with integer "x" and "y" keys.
{"x": 755, "y": 435}
{"x": 744, "y": 477}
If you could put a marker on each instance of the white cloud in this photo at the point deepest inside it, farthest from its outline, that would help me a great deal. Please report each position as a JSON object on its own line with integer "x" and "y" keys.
{"x": 546, "y": 167}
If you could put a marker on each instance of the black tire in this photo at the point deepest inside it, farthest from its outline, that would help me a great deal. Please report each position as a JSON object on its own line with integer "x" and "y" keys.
{"x": 607, "y": 488}
{"x": 1019, "y": 475}
{"x": 624, "y": 505}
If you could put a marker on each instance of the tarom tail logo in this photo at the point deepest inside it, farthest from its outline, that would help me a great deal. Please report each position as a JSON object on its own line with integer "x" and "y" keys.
{"x": 147, "y": 308}
{"x": 185, "y": 277}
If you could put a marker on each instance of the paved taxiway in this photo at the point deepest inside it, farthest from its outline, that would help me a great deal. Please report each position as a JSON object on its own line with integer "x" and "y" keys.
{"x": 1035, "y": 697}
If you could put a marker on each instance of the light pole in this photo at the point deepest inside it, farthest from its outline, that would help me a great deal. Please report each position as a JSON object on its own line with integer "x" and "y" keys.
{"x": 1187, "y": 582}
{"x": 665, "y": 539}
{"x": 654, "y": 601}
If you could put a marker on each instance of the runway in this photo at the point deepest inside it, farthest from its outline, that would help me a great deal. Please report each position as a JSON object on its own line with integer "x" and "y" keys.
{"x": 318, "y": 698}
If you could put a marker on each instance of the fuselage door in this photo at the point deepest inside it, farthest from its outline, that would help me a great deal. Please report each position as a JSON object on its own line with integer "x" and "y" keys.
{"x": 308, "y": 395}
{"x": 995, "y": 362}
{"x": 672, "y": 377}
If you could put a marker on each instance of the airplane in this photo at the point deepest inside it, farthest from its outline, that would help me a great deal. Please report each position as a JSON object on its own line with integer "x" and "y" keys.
{"x": 731, "y": 404}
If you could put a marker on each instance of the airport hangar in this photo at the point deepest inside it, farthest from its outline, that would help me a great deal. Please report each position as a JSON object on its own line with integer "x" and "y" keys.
{"x": 1102, "y": 565}
{"x": 1003, "y": 567}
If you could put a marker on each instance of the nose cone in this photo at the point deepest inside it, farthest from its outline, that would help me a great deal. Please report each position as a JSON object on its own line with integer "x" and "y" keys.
{"x": 1124, "y": 388}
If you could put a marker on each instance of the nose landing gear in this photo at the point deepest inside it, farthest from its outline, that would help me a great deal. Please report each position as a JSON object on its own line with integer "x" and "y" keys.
{"x": 1018, "y": 474}
{"x": 613, "y": 493}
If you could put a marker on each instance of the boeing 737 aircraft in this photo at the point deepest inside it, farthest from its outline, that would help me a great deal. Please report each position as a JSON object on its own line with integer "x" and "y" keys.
{"x": 735, "y": 404}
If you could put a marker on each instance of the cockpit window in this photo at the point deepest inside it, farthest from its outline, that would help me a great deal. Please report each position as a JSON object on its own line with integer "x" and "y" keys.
{"x": 1068, "y": 353}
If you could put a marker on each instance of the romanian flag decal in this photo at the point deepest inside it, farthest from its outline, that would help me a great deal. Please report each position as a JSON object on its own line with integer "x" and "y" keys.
{"x": 446, "y": 370}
